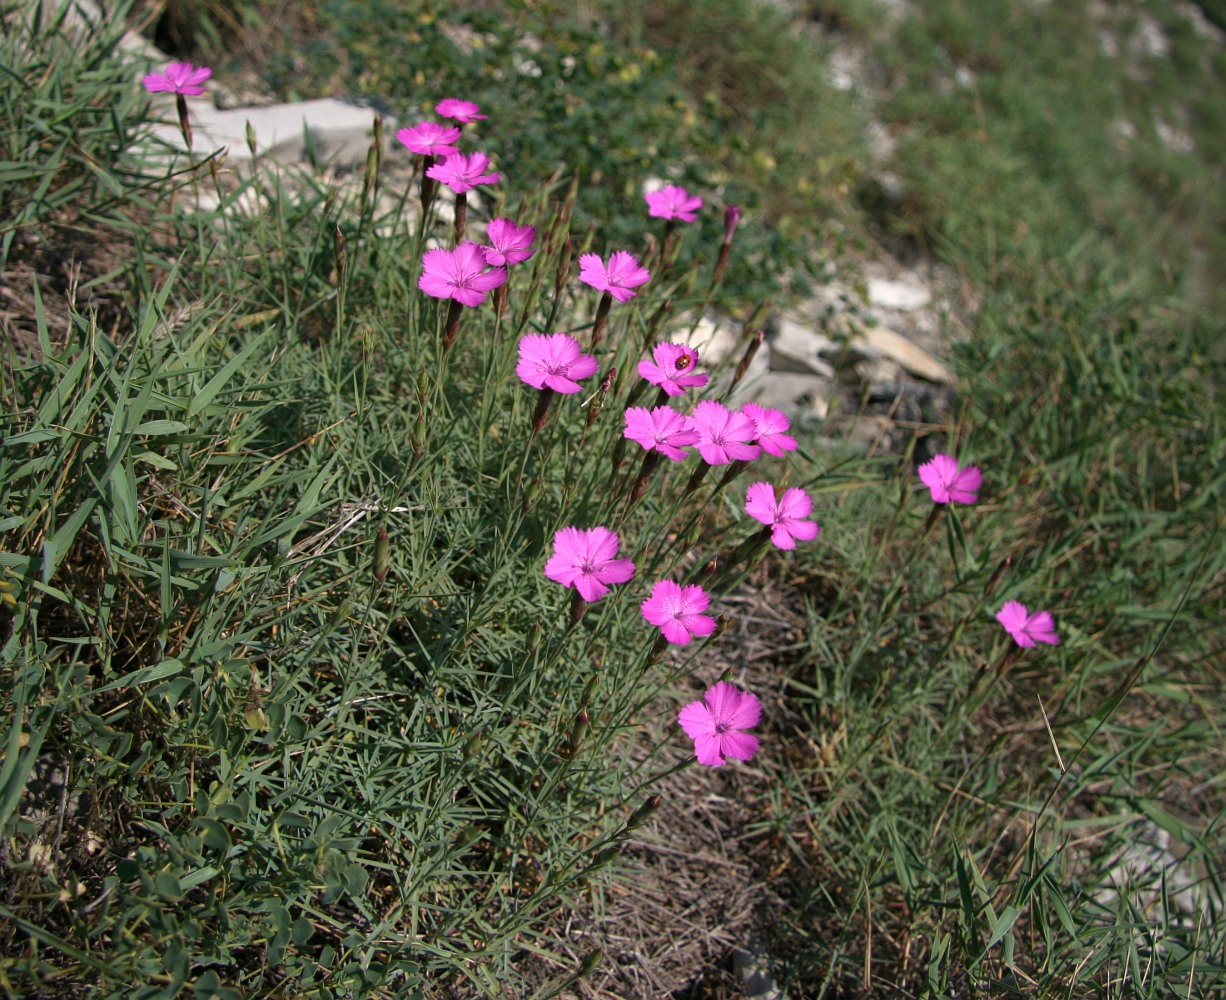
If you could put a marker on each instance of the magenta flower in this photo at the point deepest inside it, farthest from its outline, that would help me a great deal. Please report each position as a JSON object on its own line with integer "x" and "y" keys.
{"x": 716, "y": 722}
{"x": 678, "y": 611}
{"x": 463, "y": 171}
{"x": 785, "y": 518}
{"x": 586, "y": 559}
{"x": 771, "y": 425}
{"x": 673, "y": 369}
{"x": 461, "y": 111}
{"x": 459, "y": 274}
{"x": 511, "y": 244}
{"x": 673, "y": 202}
{"x": 949, "y": 483}
{"x": 430, "y": 139}
{"x": 1025, "y": 628}
{"x": 662, "y": 429}
{"x": 623, "y": 274}
{"x": 553, "y": 361}
{"x": 723, "y": 435}
{"x": 178, "y": 78}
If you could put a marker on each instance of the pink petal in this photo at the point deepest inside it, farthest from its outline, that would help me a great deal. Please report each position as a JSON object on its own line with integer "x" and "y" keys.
{"x": 740, "y": 746}
{"x": 590, "y": 588}
{"x": 708, "y": 751}
{"x": 617, "y": 571}
{"x": 695, "y": 719}
{"x": 674, "y": 631}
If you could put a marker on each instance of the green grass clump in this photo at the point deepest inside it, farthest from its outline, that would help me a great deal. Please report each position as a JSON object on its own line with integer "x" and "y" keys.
{"x": 291, "y": 707}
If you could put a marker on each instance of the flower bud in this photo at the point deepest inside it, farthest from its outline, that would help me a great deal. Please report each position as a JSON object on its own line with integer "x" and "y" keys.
{"x": 382, "y": 554}
{"x": 642, "y": 813}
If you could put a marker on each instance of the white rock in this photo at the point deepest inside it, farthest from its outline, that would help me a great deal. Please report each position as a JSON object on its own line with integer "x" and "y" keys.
{"x": 905, "y": 296}
{"x": 716, "y": 341}
{"x": 795, "y": 347}
{"x": 878, "y": 342}
{"x": 340, "y": 131}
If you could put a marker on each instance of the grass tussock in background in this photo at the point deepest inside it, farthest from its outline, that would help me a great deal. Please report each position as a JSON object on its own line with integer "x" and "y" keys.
{"x": 292, "y": 707}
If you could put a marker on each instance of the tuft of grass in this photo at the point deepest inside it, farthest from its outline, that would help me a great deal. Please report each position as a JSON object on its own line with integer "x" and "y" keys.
{"x": 291, "y": 706}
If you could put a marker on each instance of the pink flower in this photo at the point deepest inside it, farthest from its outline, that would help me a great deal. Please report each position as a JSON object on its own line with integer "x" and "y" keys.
{"x": 673, "y": 369}
{"x": 459, "y": 274}
{"x": 1025, "y": 628}
{"x": 662, "y": 429}
{"x": 553, "y": 361}
{"x": 178, "y": 78}
{"x": 511, "y": 243}
{"x": 673, "y": 202}
{"x": 430, "y": 139}
{"x": 715, "y": 724}
{"x": 948, "y": 482}
{"x": 623, "y": 274}
{"x": 770, "y": 424}
{"x": 678, "y": 611}
{"x": 585, "y": 558}
{"x": 786, "y": 519}
{"x": 463, "y": 172}
{"x": 461, "y": 111}
{"x": 723, "y": 435}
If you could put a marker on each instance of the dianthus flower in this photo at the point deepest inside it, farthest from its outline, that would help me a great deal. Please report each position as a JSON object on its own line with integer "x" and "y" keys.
{"x": 623, "y": 274}
{"x": 586, "y": 559}
{"x": 678, "y": 611}
{"x": 430, "y": 139}
{"x": 460, "y": 111}
{"x": 460, "y": 274}
{"x": 553, "y": 361}
{"x": 723, "y": 435}
{"x": 178, "y": 78}
{"x": 673, "y": 202}
{"x": 463, "y": 171}
{"x": 716, "y": 722}
{"x": 674, "y": 369}
{"x": 510, "y": 244}
{"x": 1025, "y": 628}
{"x": 786, "y": 517}
{"x": 771, "y": 425}
{"x": 948, "y": 483}
{"x": 662, "y": 429}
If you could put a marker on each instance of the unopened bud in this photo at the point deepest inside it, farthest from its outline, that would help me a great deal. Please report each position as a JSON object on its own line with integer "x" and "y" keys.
{"x": 590, "y": 961}
{"x": 578, "y": 731}
{"x": 251, "y": 143}
{"x": 577, "y": 607}
{"x": 471, "y": 746}
{"x": 383, "y": 551}
{"x": 732, "y": 215}
{"x": 338, "y": 248}
{"x": 642, "y": 813}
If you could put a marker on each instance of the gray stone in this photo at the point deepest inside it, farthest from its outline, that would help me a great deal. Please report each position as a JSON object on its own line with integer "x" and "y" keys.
{"x": 801, "y": 396}
{"x": 339, "y": 131}
{"x": 796, "y": 347}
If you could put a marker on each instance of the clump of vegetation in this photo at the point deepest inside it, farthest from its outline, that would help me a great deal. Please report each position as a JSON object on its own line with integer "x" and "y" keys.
{"x": 342, "y": 636}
